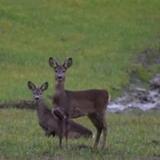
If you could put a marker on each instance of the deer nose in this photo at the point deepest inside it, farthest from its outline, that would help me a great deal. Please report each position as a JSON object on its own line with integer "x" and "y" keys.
{"x": 60, "y": 77}
{"x": 36, "y": 97}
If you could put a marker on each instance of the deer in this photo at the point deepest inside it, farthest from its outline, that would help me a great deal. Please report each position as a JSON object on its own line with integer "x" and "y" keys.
{"x": 53, "y": 124}
{"x": 74, "y": 104}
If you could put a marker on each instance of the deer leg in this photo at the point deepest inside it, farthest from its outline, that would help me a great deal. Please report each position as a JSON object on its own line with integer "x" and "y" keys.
{"x": 65, "y": 127}
{"x": 104, "y": 133}
{"x": 99, "y": 131}
{"x": 97, "y": 123}
{"x": 60, "y": 141}
{"x": 61, "y": 133}
{"x": 103, "y": 124}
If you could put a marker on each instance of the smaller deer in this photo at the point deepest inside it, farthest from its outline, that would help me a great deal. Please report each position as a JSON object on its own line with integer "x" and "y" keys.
{"x": 53, "y": 124}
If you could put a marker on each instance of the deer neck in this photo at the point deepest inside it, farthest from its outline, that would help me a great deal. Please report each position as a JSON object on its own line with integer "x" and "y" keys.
{"x": 59, "y": 88}
{"x": 41, "y": 108}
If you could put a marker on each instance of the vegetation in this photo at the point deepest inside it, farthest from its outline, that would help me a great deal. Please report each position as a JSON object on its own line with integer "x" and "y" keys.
{"x": 103, "y": 38}
{"x": 130, "y": 136}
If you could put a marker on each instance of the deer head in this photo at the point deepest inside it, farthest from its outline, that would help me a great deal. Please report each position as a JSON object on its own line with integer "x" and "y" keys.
{"x": 60, "y": 69}
{"x": 37, "y": 91}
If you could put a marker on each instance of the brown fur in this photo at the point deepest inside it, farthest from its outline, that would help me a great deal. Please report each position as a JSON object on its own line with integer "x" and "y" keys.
{"x": 92, "y": 103}
{"x": 51, "y": 124}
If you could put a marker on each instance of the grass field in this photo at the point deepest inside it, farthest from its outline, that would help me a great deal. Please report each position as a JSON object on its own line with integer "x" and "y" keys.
{"x": 103, "y": 37}
{"x": 130, "y": 136}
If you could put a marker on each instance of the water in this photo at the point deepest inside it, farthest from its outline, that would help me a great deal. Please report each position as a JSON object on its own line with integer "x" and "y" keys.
{"x": 138, "y": 98}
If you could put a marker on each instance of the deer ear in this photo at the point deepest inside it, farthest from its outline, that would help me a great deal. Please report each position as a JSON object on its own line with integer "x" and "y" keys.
{"x": 31, "y": 85}
{"x": 67, "y": 62}
{"x": 52, "y": 62}
{"x": 44, "y": 86}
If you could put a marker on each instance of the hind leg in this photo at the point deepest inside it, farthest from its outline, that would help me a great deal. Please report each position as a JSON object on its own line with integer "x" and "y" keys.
{"x": 98, "y": 124}
{"x": 99, "y": 131}
{"x": 104, "y": 132}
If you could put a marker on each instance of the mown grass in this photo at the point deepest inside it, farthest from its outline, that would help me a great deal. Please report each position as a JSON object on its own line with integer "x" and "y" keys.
{"x": 103, "y": 37}
{"x": 130, "y": 136}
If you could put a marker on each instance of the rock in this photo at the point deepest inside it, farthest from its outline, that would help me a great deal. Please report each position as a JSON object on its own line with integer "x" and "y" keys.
{"x": 149, "y": 56}
{"x": 139, "y": 99}
{"x": 157, "y": 106}
{"x": 155, "y": 82}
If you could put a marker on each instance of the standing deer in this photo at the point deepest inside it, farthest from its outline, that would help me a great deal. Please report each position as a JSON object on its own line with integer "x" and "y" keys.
{"x": 74, "y": 104}
{"x": 50, "y": 123}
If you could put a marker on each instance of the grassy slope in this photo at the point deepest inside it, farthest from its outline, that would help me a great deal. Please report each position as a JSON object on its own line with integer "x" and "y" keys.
{"x": 101, "y": 36}
{"x": 129, "y": 137}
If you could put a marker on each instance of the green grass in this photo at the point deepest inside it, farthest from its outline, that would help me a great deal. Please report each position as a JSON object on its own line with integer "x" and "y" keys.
{"x": 103, "y": 37}
{"x": 130, "y": 136}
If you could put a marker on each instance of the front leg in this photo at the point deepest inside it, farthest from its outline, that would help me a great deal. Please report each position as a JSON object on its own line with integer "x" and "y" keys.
{"x": 63, "y": 119}
{"x": 66, "y": 128}
{"x": 58, "y": 112}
